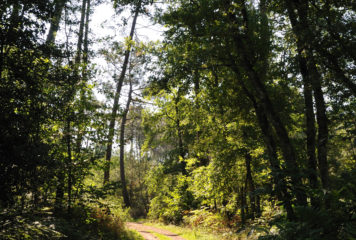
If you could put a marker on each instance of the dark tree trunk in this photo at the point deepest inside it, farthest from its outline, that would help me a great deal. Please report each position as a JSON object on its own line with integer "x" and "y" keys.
{"x": 258, "y": 206}
{"x": 243, "y": 205}
{"x": 84, "y": 76}
{"x": 250, "y": 186}
{"x": 282, "y": 134}
{"x": 180, "y": 133}
{"x": 310, "y": 126}
{"x": 262, "y": 97}
{"x": 268, "y": 137}
{"x": 298, "y": 15}
{"x": 278, "y": 176}
{"x": 69, "y": 165}
{"x": 122, "y": 150}
{"x": 59, "y": 192}
{"x": 86, "y": 33}
{"x": 81, "y": 33}
{"x": 323, "y": 132}
{"x": 116, "y": 101}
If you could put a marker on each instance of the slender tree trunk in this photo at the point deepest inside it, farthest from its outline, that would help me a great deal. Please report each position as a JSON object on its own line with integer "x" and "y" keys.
{"x": 55, "y": 20}
{"x": 84, "y": 75}
{"x": 81, "y": 32}
{"x": 116, "y": 100}
{"x": 243, "y": 205}
{"x": 180, "y": 133}
{"x": 122, "y": 150}
{"x": 86, "y": 34}
{"x": 69, "y": 165}
{"x": 250, "y": 186}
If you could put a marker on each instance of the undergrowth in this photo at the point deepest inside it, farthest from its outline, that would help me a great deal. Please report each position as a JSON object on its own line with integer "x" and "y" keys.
{"x": 83, "y": 223}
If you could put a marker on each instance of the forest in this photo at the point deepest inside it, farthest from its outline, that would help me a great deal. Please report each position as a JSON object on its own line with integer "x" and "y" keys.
{"x": 230, "y": 119}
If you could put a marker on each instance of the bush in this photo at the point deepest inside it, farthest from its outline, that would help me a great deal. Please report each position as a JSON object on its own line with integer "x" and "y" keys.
{"x": 107, "y": 225}
{"x": 171, "y": 197}
{"x": 203, "y": 218}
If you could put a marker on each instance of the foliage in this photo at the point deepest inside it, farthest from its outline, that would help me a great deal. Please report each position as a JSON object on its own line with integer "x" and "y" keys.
{"x": 84, "y": 223}
{"x": 246, "y": 122}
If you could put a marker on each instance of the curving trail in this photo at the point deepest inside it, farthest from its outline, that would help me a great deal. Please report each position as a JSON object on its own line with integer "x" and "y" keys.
{"x": 146, "y": 231}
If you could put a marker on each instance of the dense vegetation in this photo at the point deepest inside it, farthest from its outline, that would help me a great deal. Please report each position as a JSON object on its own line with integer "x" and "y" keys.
{"x": 241, "y": 119}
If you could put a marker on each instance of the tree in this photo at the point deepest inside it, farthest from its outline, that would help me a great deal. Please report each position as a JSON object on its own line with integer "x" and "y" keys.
{"x": 117, "y": 94}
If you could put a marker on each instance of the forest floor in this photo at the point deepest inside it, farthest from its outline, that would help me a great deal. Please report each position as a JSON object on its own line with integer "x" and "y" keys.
{"x": 152, "y": 233}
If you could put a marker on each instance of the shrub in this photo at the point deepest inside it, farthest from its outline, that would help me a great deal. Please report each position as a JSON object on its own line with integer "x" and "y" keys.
{"x": 203, "y": 218}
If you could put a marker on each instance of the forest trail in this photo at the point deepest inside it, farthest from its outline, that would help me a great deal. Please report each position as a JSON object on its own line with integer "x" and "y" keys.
{"x": 147, "y": 231}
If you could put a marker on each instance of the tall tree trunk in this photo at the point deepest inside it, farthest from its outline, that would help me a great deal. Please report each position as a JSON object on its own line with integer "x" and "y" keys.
{"x": 86, "y": 41}
{"x": 81, "y": 32}
{"x": 122, "y": 150}
{"x": 277, "y": 174}
{"x": 282, "y": 134}
{"x": 246, "y": 51}
{"x": 311, "y": 134}
{"x": 300, "y": 26}
{"x": 310, "y": 126}
{"x": 116, "y": 100}
{"x": 84, "y": 75}
{"x": 267, "y": 133}
{"x": 55, "y": 20}
{"x": 323, "y": 132}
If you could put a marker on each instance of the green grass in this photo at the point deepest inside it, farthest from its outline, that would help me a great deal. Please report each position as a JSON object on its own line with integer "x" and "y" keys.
{"x": 132, "y": 235}
{"x": 187, "y": 233}
{"x": 160, "y": 236}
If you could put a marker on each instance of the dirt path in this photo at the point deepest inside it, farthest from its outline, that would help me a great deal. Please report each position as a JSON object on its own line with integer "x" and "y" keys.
{"x": 146, "y": 231}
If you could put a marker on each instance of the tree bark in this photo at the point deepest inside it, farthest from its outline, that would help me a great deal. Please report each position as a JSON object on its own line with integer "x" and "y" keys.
{"x": 55, "y": 20}
{"x": 180, "y": 133}
{"x": 300, "y": 26}
{"x": 69, "y": 165}
{"x": 310, "y": 126}
{"x": 262, "y": 97}
{"x": 267, "y": 133}
{"x": 81, "y": 32}
{"x": 243, "y": 205}
{"x": 122, "y": 150}
{"x": 277, "y": 174}
{"x": 116, "y": 100}
{"x": 250, "y": 186}
{"x": 84, "y": 75}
